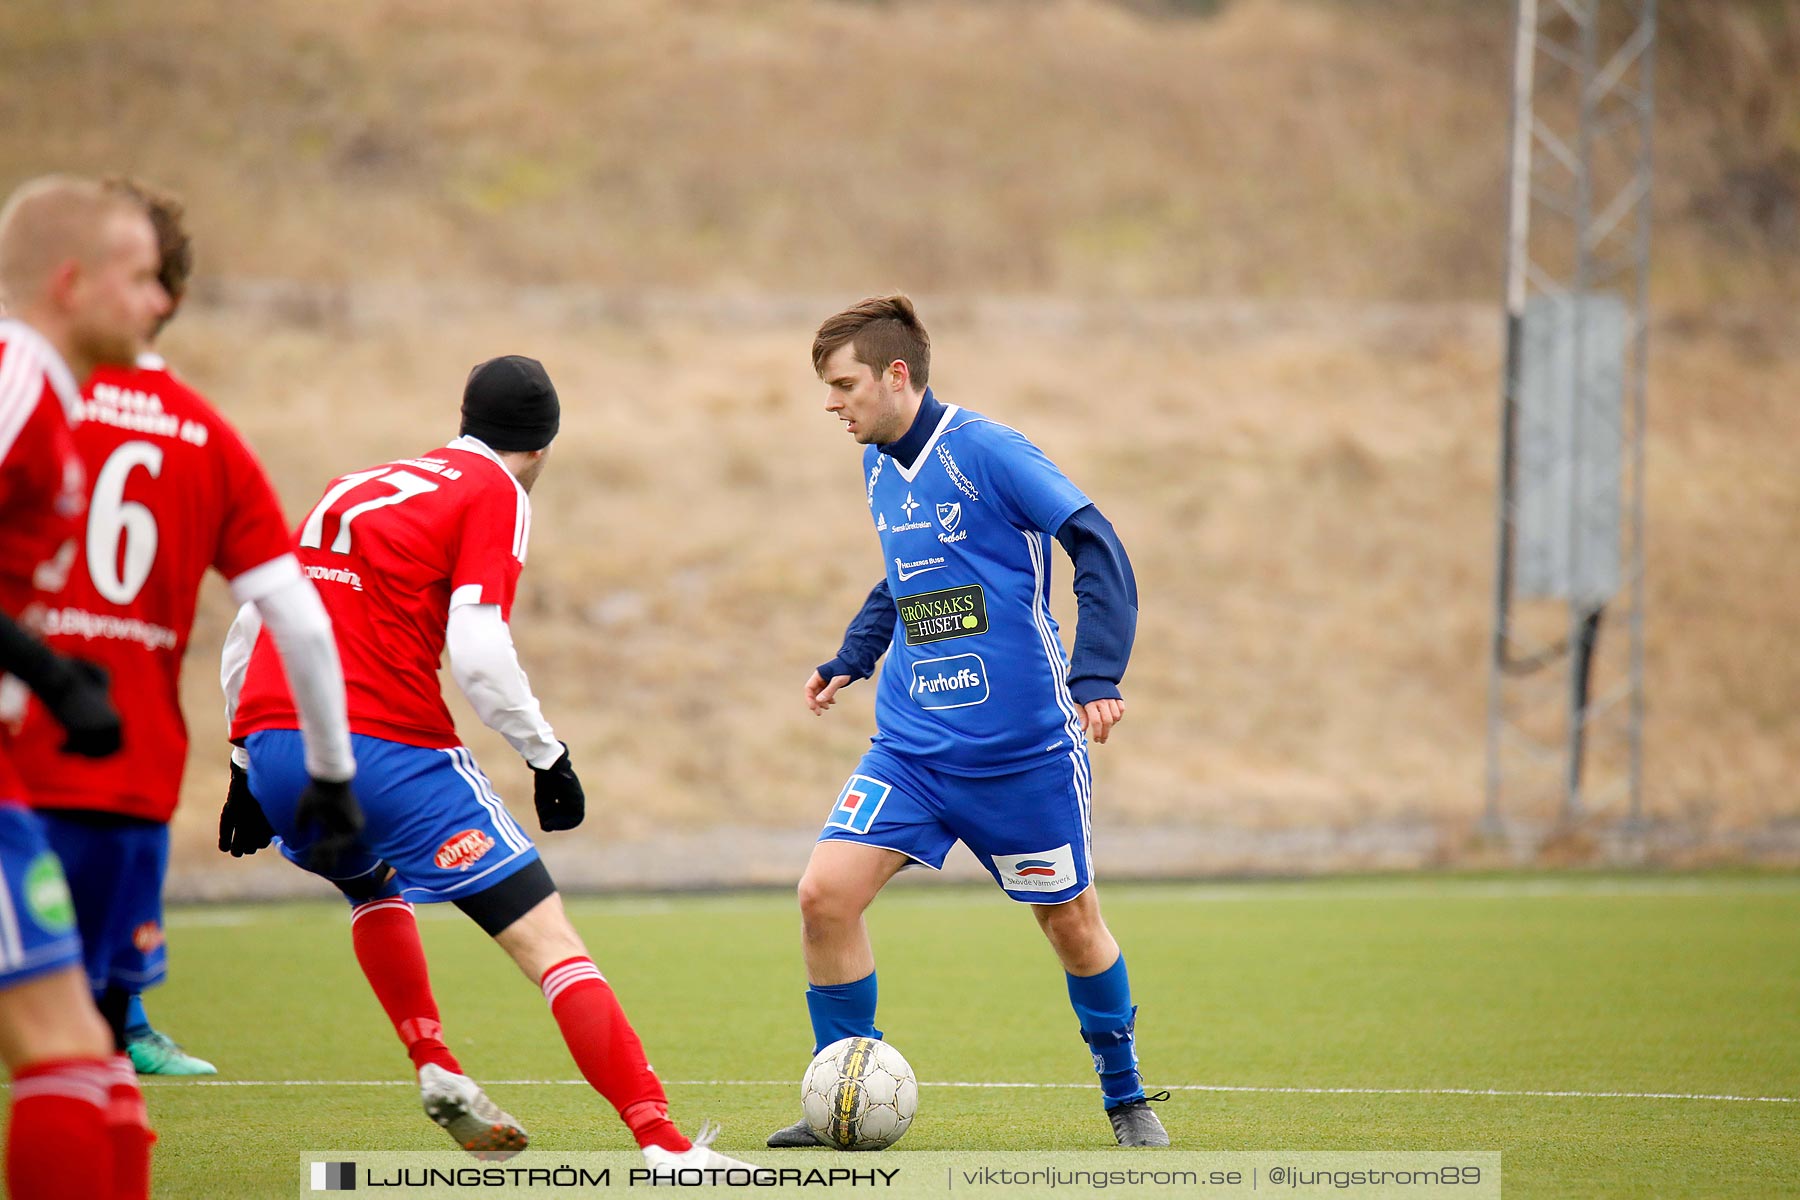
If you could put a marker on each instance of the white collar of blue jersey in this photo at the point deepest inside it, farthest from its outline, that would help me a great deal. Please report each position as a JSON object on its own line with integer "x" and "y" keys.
{"x": 918, "y": 464}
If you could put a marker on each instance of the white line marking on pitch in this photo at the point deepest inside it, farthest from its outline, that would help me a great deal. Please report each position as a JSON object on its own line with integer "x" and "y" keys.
{"x": 1173, "y": 1087}
{"x": 192, "y": 914}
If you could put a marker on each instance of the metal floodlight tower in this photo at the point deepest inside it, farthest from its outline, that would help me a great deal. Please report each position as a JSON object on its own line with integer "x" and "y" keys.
{"x": 1565, "y": 697}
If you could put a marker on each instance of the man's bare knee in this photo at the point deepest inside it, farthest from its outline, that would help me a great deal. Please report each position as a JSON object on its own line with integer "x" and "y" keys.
{"x": 841, "y": 881}
{"x": 1078, "y": 934}
{"x": 1073, "y": 919}
{"x": 1067, "y": 928}
{"x": 827, "y": 903}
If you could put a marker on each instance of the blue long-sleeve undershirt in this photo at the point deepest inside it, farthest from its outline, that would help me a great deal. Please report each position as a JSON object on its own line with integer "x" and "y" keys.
{"x": 870, "y": 633}
{"x": 1105, "y": 606}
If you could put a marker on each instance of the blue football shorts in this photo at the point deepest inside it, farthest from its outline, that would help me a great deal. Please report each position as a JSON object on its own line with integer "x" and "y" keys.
{"x": 1029, "y": 829}
{"x": 115, "y": 872}
{"x": 431, "y": 815}
{"x": 37, "y": 917}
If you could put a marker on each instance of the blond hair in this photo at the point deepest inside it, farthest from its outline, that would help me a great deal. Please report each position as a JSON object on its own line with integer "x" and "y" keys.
{"x": 48, "y": 221}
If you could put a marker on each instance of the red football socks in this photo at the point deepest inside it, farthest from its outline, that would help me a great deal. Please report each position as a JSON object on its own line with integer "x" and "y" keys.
{"x": 607, "y": 1051}
{"x": 128, "y": 1130}
{"x": 57, "y": 1146}
{"x": 386, "y": 937}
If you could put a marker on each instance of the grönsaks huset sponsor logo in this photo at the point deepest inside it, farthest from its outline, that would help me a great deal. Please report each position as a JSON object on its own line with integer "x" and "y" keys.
{"x": 948, "y": 613}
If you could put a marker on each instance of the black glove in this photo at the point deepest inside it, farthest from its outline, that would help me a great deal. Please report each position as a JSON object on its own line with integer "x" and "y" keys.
{"x": 329, "y": 817}
{"x": 75, "y": 694}
{"x": 557, "y": 793}
{"x": 73, "y": 691}
{"x": 243, "y": 829}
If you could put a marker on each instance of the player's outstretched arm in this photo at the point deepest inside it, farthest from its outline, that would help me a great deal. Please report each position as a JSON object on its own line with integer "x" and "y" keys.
{"x": 868, "y": 637}
{"x": 485, "y": 665}
{"x": 1106, "y": 619}
{"x": 74, "y": 691}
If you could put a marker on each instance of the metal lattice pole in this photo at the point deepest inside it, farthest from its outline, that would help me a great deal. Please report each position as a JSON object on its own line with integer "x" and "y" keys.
{"x": 1565, "y": 688}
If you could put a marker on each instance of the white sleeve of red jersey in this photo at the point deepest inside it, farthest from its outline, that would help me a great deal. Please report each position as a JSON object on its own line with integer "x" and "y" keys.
{"x": 234, "y": 662}
{"x": 486, "y": 667}
{"x": 247, "y": 587}
{"x": 234, "y": 659}
{"x": 297, "y": 620}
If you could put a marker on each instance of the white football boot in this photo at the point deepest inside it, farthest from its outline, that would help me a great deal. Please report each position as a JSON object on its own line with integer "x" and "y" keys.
{"x": 669, "y": 1165}
{"x": 479, "y": 1125}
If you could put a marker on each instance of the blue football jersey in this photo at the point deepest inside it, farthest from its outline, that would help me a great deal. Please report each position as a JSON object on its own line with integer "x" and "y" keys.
{"x": 975, "y": 681}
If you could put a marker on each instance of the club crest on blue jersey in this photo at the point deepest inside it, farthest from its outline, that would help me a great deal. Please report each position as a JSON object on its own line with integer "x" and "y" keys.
{"x": 858, "y": 804}
{"x": 950, "y": 516}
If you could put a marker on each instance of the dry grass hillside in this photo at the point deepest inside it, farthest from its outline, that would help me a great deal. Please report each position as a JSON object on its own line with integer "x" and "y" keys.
{"x": 1295, "y": 148}
{"x": 1232, "y": 264}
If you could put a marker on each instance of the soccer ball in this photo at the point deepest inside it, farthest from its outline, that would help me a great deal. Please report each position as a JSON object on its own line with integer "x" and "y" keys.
{"x": 859, "y": 1094}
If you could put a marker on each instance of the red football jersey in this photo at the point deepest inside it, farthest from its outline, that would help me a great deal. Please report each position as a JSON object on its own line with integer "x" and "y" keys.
{"x": 42, "y": 492}
{"x": 175, "y": 491}
{"x": 391, "y": 550}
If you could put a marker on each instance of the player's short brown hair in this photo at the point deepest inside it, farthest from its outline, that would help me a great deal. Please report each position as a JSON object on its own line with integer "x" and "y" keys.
{"x": 882, "y": 329}
{"x": 172, "y": 240}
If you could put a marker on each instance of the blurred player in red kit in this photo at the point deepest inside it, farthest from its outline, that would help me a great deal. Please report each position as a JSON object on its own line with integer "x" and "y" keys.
{"x": 415, "y": 558}
{"x": 78, "y": 280}
{"x": 173, "y": 491}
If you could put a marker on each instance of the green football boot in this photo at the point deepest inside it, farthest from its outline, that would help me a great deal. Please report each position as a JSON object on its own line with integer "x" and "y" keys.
{"x": 155, "y": 1053}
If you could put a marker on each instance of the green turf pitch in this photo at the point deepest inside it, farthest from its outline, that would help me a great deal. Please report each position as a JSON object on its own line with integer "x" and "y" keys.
{"x": 1679, "y": 985}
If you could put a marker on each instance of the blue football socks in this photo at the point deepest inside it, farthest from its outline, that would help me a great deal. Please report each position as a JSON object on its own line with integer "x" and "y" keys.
{"x": 137, "y": 1022}
{"x": 1108, "y": 1019}
{"x": 842, "y": 1010}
